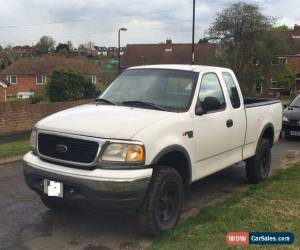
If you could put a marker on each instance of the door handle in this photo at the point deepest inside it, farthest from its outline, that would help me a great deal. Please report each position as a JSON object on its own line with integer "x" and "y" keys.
{"x": 229, "y": 123}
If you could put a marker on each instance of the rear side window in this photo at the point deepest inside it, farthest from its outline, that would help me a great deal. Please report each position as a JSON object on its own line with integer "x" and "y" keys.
{"x": 232, "y": 90}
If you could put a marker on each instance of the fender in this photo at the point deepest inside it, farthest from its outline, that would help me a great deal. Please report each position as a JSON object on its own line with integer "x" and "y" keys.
{"x": 267, "y": 126}
{"x": 175, "y": 148}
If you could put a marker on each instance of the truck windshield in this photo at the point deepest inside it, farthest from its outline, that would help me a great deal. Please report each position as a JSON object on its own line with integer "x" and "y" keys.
{"x": 161, "y": 89}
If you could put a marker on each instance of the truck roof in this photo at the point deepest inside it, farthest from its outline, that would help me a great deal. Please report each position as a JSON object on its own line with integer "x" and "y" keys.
{"x": 195, "y": 68}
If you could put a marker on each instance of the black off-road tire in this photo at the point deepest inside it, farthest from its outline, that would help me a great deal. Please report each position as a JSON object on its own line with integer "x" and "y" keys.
{"x": 258, "y": 167}
{"x": 54, "y": 204}
{"x": 162, "y": 205}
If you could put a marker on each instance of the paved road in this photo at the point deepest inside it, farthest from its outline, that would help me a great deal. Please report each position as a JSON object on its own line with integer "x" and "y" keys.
{"x": 26, "y": 224}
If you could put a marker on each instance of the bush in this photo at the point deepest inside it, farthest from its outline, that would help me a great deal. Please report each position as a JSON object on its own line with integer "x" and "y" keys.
{"x": 69, "y": 85}
{"x": 40, "y": 95}
{"x": 37, "y": 99}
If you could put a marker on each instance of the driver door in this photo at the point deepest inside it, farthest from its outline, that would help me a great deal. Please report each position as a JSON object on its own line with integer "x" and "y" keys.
{"x": 211, "y": 127}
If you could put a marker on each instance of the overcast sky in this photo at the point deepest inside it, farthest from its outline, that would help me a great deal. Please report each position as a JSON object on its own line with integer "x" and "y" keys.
{"x": 148, "y": 21}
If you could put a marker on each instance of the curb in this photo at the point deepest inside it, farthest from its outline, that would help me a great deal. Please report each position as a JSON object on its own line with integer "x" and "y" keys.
{"x": 10, "y": 159}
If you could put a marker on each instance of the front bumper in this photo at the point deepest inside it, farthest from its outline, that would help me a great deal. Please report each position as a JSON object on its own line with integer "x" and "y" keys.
{"x": 287, "y": 127}
{"x": 98, "y": 188}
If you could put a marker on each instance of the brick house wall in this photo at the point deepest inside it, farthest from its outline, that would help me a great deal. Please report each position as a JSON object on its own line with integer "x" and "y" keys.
{"x": 2, "y": 94}
{"x": 26, "y": 71}
{"x": 22, "y": 115}
{"x": 295, "y": 60}
{"x": 25, "y": 83}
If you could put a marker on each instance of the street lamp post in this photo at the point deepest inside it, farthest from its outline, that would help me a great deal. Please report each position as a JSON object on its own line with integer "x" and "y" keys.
{"x": 193, "y": 34}
{"x": 119, "y": 47}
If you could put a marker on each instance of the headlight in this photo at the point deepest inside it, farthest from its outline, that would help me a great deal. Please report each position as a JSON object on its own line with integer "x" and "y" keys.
{"x": 33, "y": 140}
{"x": 285, "y": 119}
{"x": 123, "y": 152}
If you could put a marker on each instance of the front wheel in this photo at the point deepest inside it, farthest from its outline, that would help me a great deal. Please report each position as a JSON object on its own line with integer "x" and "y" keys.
{"x": 258, "y": 166}
{"x": 162, "y": 205}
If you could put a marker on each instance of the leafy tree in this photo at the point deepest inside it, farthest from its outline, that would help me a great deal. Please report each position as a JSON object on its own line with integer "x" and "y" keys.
{"x": 203, "y": 40}
{"x": 284, "y": 74}
{"x": 70, "y": 45}
{"x": 45, "y": 45}
{"x": 244, "y": 33}
{"x": 63, "y": 48}
{"x": 282, "y": 28}
{"x": 69, "y": 85}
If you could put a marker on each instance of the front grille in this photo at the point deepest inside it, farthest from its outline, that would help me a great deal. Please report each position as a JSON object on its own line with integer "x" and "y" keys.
{"x": 66, "y": 148}
{"x": 293, "y": 126}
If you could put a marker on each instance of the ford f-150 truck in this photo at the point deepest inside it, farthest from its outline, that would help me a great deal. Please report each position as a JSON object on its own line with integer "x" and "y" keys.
{"x": 155, "y": 130}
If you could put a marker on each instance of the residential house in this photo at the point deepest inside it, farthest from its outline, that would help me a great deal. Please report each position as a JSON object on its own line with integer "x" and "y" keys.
{"x": 82, "y": 51}
{"x": 166, "y": 53}
{"x": 112, "y": 51}
{"x": 27, "y": 75}
{"x": 122, "y": 50}
{"x": 21, "y": 51}
{"x": 3, "y": 90}
{"x": 101, "y": 51}
{"x": 292, "y": 38}
{"x": 92, "y": 51}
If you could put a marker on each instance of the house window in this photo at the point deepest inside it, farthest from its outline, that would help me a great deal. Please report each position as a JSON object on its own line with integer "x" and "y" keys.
{"x": 40, "y": 79}
{"x": 93, "y": 79}
{"x": 279, "y": 60}
{"x": 275, "y": 83}
{"x": 12, "y": 79}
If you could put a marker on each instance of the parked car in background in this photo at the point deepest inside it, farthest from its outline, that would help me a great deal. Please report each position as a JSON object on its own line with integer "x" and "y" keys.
{"x": 155, "y": 130}
{"x": 291, "y": 119}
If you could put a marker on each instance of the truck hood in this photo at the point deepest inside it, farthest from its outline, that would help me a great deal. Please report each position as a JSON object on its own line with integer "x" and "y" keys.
{"x": 105, "y": 121}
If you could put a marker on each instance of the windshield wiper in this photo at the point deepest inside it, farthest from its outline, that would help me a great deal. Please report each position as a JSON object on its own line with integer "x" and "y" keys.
{"x": 98, "y": 100}
{"x": 144, "y": 104}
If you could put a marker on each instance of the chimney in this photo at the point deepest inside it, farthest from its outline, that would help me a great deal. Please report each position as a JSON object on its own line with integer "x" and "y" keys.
{"x": 296, "y": 32}
{"x": 168, "y": 45}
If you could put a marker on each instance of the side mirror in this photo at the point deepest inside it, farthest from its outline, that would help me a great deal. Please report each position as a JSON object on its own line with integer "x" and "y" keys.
{"x": 211, "y": 103}
{"x": 199, "y": 111}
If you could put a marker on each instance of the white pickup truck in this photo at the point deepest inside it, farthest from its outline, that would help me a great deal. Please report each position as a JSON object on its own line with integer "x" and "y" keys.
{"x": 155, "y": 130}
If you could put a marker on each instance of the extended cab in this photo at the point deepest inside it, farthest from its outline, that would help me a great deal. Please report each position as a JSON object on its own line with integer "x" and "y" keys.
{"x": 155, "y": 130}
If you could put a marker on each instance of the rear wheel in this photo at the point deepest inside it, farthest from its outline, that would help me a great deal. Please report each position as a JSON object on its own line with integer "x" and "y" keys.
{"x": 258, "y": 166}
{"x": 162, "y": 205}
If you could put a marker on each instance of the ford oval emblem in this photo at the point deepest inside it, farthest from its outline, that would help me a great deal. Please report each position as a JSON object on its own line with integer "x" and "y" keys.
{"x": 61, "y": 148}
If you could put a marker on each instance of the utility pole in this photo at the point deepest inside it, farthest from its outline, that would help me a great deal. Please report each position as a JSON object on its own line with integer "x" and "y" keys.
{"x": 193, "y": 34}
{"x": 119, "y": 48}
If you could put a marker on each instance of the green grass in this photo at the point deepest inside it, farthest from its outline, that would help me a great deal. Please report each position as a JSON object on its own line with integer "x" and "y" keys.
{"x": 13, "y": 148}
{"x": 270, "y": 206}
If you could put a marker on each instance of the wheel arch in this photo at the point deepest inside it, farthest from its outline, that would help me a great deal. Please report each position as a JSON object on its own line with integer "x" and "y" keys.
{"x": 267, "y": 132}
{"x": 178, "y": 157}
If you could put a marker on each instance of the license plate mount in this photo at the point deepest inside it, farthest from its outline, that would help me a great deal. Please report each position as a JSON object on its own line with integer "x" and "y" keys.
{"x": 53, "y": 188}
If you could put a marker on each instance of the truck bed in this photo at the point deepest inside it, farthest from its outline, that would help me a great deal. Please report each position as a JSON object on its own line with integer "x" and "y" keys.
{"x": 256, "y": 102}
{"x": 260, "y": 112}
